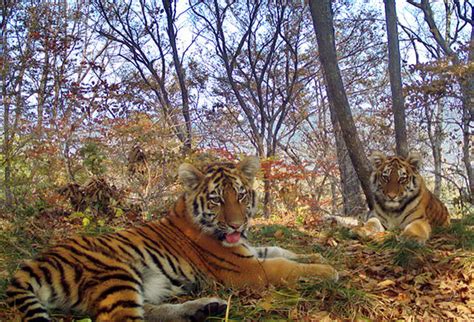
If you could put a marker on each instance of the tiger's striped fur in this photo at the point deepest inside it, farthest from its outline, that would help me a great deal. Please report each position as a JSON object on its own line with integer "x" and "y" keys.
{"x": 402, "y": 199}
{"x": 129, "y": 274}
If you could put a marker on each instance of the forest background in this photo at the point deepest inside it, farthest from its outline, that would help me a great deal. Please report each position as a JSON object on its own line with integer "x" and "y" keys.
{"x": 101, "y": 101}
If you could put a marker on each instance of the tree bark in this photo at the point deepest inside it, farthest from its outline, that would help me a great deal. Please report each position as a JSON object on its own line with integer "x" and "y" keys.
{"x": 467, "y": 90}
{"x": 434, "y": 121}
{"x": 172, "y": 35}
{"x": 7, "y": 164}
{"x": 394, "y": 69}
{"x": 353, "y": 202}
{"x": 323, "y": 24}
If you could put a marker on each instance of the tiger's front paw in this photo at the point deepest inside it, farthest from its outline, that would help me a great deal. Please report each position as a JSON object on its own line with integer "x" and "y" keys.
{"x": 407, "y": 235}
{"x": 325, "y": 271}
{"x": 201, "y": 309}
{"x": 419, "y": 231}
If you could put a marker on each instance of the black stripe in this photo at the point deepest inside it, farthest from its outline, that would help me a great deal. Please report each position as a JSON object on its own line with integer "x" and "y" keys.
{"x": 119, "y": 276}
{"x": 150, "y": 244}
{"x": 121, "y": 304}
{"x": 91, "y": 258}
{"x": 49, "y": 280}
{"x": 170, "y": 262}
{"x": 11, "y": 295}
{"x": 23, "y": 307}
{"x": 408, "y": 201}
{"x": 62, "y": 258}
{"x": 64, "y": 283}
{"x": 47, "y": 274}
{"x": 180, "y": 241}
{"x": 21, "y": 300}
{"x": 30, "y": 271}
{"x": 103, "y": 244}
{"x": 126, "y": 252}
{"x": 114, "y": 289}
{"x": 410, "y": 212}
{"x": 33, "y": 312}
{"x": 88, "y": 242}
{"x": 17, "y": 283}
{"x": 130, "y": 244}
{"x": 158, "y": 264}
{"x": 76, "y": 242}
{"x": 195, "y": 207}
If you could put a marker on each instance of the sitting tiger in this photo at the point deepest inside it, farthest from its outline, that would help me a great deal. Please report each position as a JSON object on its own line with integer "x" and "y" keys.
{"x": 401, "y": 199}
{"x": 129, "y": 274}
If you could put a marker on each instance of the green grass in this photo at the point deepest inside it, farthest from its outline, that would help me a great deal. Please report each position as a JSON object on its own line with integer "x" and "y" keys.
{"x": 405, "y": 252}
{"x": 462, "y": 231}
{"x": 340, "y": 298}
{"x": 18, "y": 243}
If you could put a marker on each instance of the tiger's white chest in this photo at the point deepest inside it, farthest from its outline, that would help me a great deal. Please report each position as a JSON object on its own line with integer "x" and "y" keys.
{"x": 397, "y": 219}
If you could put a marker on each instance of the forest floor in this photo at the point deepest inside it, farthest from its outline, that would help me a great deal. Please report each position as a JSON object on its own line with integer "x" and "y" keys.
{"x": 381, "y": 279}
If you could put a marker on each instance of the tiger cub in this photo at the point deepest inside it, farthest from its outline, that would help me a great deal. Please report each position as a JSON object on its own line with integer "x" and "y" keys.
{"x": 401, "y": 199}
{"x": 128, "y": 275}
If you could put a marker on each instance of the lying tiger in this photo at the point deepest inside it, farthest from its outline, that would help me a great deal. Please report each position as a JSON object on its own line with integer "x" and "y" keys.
{"x": 402, "y": 199}
{"x": 129, "y": 274}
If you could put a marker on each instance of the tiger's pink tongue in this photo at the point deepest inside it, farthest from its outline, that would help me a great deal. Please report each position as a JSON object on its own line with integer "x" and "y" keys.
{"x": 232, "y": 238}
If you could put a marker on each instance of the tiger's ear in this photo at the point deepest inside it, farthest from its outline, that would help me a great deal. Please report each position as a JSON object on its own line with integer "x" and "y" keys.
{"x": 249, "y": 167}
{"x": 415, "y": 160}
{"x": 377, "y": 158}
{"x": 189, "y": 176}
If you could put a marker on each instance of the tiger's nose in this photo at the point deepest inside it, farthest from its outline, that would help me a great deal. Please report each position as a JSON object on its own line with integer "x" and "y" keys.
{"x": 391, "y": 196}
{"x": 235, "y": 225}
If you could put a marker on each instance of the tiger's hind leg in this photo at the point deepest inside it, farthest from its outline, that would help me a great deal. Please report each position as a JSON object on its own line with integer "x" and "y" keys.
{"x": 118, "y": 297}
{"x": 419, "y": 230}
{"x": 195, "y": 310}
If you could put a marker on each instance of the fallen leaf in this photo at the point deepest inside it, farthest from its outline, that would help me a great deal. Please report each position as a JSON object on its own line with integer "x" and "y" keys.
{"x": 279, "y": 234}
{"x": 385, "y": 284}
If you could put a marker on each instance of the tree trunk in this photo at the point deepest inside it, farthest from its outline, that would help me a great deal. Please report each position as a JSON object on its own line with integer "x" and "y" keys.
{"x": 42, "y": 92}
{"x": 467, "y": 90}
{"x": 6, "y": 108}
{"x": 170, "y": 17}
{"x": 323, "y": 24}
{"x": 434, "y": 121}
{"x": 354, "y": 204}
{"x": 438, "y": 134}
{"x": 394, "y": 70}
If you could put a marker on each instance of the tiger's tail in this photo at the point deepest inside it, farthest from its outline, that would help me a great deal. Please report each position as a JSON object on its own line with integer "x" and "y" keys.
{"x": 21, "y": 294}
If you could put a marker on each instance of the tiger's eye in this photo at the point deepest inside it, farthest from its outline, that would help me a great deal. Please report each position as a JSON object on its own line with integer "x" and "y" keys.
{"x": 216, "y": 200}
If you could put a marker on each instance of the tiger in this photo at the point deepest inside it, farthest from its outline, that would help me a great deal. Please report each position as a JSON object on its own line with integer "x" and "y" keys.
{"x": 130, "y": 275}
{"x": 402, "y": 200}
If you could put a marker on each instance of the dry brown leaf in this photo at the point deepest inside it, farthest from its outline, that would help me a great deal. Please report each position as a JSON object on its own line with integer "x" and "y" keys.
{"x": 386, "y": 283}
{"x": 320, "y": 316}
{"x": 279, "y": 234}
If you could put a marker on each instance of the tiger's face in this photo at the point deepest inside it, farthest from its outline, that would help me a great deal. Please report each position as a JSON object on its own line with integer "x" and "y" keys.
{"x": 221, "y": 199}
{"x": 395, "y": 180}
